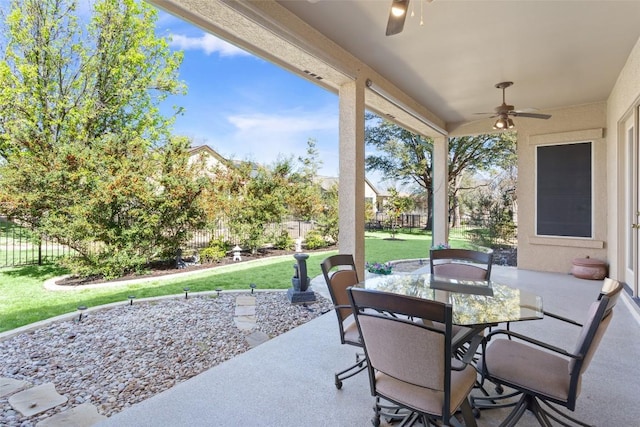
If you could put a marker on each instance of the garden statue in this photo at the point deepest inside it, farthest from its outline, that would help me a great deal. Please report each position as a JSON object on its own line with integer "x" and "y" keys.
{"x": 300, "y": 292}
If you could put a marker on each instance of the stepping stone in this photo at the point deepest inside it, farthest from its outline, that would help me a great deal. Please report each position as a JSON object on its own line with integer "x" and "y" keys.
{"x": 256, "y": 338}
{"x": 9, "y": 386}
{"x": 245, "y": 310}
{"x": 245, "y": 313}
{"x": 245, "y": 323}
{"x": 84, "y": 415}
{"x": 36, "y": 399}
{"x": 245, "y": 300}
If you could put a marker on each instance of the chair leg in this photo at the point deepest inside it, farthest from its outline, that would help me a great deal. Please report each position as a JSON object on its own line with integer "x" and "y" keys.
{"x": 391, "y": 411}
{"x": 556, "y": 413}
{"x": 491, "y": 402}
{"x": 518, "y": 411}
{"x": 467, "y": 414}
{"x": 359, "y": 366}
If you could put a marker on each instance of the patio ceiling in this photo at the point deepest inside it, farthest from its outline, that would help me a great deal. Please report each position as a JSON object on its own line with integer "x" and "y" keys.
{"x": 558, "y": 53}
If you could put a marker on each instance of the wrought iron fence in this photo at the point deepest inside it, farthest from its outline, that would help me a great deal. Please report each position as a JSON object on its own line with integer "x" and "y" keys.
{"x": 481, "y": 231}
{"x": 19, "y": 246}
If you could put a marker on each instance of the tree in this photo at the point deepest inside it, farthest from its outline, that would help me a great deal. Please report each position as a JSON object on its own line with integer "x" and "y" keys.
{"x": 492, "y": 204}
{"x": 329, "y": 221}
{"x": 407, "y": 158}
{"x": 87, "y": 157}
{"x": 304, "y": 198}
{"x": 252, "y": 197}
{"x": 396, "y": 206}
{"x": 472, "y": 154}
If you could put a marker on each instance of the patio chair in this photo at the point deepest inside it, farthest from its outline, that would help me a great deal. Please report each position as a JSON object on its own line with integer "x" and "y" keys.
{"x": 340, "y": 272}
{"x": 464, "y": 264}
{"x": 410, "y": 363}
{"x": 545, "y": 375}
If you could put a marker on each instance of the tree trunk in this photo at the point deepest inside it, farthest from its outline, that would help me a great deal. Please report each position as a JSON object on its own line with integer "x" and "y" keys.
{"x": 455, "y": 203}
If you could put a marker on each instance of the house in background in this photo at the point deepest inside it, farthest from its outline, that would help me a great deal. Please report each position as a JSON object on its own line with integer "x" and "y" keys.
{"x": 372, "y": 195}
{"x": 213, "y": 159}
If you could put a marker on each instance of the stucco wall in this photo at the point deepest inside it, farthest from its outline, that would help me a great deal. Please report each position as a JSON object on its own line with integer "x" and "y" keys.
{"x": 623, "y": 98}
{"x": 575, "y": 124}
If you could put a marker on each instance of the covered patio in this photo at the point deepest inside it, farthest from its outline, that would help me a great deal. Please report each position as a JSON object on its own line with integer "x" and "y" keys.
{"x": 578, "y": 62}
{"x": 288, "y": 381}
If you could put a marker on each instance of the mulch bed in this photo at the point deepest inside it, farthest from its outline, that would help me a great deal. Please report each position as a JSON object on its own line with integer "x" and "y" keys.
{"x": 164, "y": 268}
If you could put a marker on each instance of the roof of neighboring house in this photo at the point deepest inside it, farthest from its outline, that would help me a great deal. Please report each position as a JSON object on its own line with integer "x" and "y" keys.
{"x": 326, "y": 182}
{"x": 207, "y": 150}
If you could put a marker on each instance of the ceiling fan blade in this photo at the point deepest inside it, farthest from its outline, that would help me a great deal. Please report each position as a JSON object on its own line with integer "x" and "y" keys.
{"x": 397, "y": 16}
{"x": 530, "y": 115}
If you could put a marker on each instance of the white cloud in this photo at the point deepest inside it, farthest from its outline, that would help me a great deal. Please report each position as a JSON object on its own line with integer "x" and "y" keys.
{"x": 282, "y": 124}
{"x": 207, "y": 43}
{"x": 266, "y": 137}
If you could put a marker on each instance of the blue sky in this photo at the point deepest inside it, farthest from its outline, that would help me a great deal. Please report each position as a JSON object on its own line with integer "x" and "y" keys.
{"x": 245, "y": 107}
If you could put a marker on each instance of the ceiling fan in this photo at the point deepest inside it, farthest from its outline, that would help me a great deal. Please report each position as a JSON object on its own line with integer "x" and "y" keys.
{"x": 505, "y": 111}
{"x": 398, "y": 14}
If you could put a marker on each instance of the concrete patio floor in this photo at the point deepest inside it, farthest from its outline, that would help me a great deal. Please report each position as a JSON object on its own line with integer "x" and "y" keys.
{"x": 288, "y": 381}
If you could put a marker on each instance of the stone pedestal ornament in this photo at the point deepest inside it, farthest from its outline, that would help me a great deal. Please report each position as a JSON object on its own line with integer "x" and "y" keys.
{"x": 300, "y": 292}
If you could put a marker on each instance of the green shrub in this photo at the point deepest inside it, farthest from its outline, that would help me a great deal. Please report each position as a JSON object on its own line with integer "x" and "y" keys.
{"x": 216, "y": 250}
{"x": 283, "y": 241}
{"x": 314, "y": 240}
{"x": 108, "y": 264}
{"x": 212, "y": 254}
{"x": 221, "y": 244}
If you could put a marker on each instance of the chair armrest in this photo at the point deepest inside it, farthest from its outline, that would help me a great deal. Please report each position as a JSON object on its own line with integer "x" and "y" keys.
{"x": 561, "y": 318}
{"x": 533, "y": 341}
{"x": 460, "y": 364}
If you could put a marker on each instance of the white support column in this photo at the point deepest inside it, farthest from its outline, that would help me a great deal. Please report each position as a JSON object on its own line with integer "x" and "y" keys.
{"x": 351, "y": 184}
{"x": 440, "y": 190}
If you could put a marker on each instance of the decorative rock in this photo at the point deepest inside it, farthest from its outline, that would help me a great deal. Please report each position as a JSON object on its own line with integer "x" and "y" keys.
{"x": 146, "y": 350}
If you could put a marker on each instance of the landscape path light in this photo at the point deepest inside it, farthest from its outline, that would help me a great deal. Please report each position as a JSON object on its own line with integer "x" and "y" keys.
{"x": 81, "y": 308}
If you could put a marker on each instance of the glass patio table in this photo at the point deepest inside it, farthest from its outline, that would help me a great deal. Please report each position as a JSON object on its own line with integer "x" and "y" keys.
{"x": 475, "y": 304}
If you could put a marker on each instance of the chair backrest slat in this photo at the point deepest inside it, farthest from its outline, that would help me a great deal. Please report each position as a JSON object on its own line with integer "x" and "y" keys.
{"x": 463, "y": 264}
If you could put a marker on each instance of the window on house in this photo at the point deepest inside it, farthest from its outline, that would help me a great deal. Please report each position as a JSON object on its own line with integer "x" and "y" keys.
{"x": 564, "y": 190}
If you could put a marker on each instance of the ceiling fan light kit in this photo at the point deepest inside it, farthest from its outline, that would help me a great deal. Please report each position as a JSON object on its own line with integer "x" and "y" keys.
{"x": 398, "y": 14}
{"x": 504, "y": 112}
{"x": 503, "y": 123}
{"x": 399, "y": 8}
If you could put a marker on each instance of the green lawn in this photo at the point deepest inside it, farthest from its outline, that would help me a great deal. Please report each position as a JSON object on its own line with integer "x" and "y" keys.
{"x": 23, "y": 299}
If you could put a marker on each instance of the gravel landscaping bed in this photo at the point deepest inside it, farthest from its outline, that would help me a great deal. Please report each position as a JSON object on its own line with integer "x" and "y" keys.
{"x": 116, "y": 357}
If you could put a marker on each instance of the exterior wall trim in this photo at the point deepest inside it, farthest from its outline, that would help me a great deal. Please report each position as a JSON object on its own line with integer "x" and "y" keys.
{"x": 579, "y": 135}
{"x": 568, "y": 242}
